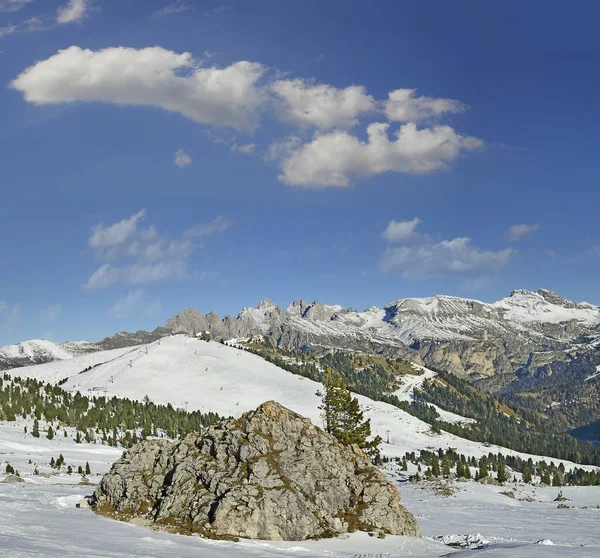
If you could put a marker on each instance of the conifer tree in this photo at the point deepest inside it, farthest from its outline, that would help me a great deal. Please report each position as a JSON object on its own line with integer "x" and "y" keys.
{"x": 527, "y": 475}
{"x": 88, "y": 471}
{"x": 435, "y": 466}
{"x": 36, "y": 429}
{"x": 483, "y": 471}
{"x": 343, "y": 417}
{"x": 502, "y": 475}
{"x": 50, "y": 433}
{"x": 446, "y": 466}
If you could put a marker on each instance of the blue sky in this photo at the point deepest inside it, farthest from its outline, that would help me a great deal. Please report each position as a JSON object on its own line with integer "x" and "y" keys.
{"x": 159, "y": 155}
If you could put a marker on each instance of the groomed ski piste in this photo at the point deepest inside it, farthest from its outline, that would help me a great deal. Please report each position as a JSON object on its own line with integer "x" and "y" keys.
{"x": 39, "y": 517}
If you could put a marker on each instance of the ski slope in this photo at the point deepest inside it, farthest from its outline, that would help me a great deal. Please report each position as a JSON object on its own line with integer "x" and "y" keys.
{"x": 406, "y": 392}
{"x": 208, "y": 376}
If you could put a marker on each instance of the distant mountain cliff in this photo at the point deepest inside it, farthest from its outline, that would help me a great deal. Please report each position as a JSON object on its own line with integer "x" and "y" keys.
{"x": 493, "y": 343}
{"x": 526, "y": 335}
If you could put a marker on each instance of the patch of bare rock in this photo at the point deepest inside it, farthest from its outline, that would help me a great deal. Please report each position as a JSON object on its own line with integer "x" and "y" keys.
{"x": 271, "y": 474}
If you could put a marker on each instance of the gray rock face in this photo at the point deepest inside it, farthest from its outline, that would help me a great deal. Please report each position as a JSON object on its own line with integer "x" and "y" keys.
{"x": 271, "y": 474}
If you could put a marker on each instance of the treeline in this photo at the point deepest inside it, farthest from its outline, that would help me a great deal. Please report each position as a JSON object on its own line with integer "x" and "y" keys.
{"x": 525, "y": 430}
{"x": 449, "y": 463}
{"x": 516, "y": 428}
{"x": 116, "y": 421}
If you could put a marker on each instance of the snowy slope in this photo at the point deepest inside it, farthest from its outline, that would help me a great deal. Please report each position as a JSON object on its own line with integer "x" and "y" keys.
{"x": 203, "y": 376}
{"x": 39, "y": 519}
{"x": 406, "y": 392}
{"x": 55, "y": 371}
{"x": 35, "y": 349}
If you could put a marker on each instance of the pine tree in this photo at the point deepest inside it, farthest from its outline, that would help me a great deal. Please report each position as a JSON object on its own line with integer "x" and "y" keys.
{"x": 435, "y": 466}
{"x": 50, "y": 433}
{"x": 36, "y": 429}
{"x": 546, "y": 478}
{"x": 343, "y": 417}
{"x": 557, "y": 479}
{"x": 483, "y": 470}
{"x": 88, "y": 471}
{"x": 446, "y": 466}
{"x": 527, "y": 475}
{"x": 502, "y": 475}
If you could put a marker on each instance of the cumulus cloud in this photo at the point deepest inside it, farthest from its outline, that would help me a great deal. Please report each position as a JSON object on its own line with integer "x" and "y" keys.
{"x": 150, "y": 76}
{"x": 425, "y": 258}
{"x": 403, "y": 106}
{"x": 13, "y": 5}
{"x": 235, "y": 97}
{"x": 51, "y": 314}
{"x": 307, "y": 104}
{"x": 134, "y": 304}
{"x": 182, "y": 159}
{"x": 331, "y": 159}
{"x": 73, "y": 11}
{"x": 135, "y": 255}
{"x": 400, "y": 231}
{"x": 448, "y": 257}
{"x": 517, "y": 232}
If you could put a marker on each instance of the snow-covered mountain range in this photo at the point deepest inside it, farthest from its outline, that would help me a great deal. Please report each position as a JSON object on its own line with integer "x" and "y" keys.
{"x": 525, "y": 334}
{"x": 516, "y": 335}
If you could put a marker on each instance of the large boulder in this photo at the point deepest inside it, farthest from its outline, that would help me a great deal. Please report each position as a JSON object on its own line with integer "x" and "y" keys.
{"x": 270, "y": 474}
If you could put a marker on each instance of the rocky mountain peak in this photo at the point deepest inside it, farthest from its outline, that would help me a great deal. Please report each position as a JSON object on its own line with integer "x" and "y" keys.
{"x": 271, "y": 474}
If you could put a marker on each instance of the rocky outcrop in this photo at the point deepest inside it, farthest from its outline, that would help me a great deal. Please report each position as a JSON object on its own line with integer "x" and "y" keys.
{"x": 270, "y": 474}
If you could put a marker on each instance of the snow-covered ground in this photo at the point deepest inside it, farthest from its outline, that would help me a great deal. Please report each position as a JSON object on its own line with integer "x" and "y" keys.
{"x": 38, "y": 518}
{"x": 208, "y": 376}
{"x": 406, "y": 392}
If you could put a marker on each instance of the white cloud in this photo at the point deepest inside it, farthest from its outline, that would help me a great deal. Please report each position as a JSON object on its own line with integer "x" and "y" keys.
{"x": 400, "y": 231}
{"x": 175, "y": 8}
{"x": 8, "y": 30}
{"x": 517, "y": 232}
{"x": 331, "y": 159}
{"x": 425, "y": 258}
{"x": 13, "y": 5}
{"x": 73, "y": 11}
{"x": 182, "y": 159}
{"x": 324, "y": 106}
{"x": 150, "y": 76}
{"x": 448, "y": 257}
{"x": 217, "y": 225}
{"x": 139, "y": 256}
{"x": 403, "y": 106}
{"x": 134, "y": 304}
{"x": 246, "y": 149}
{"x": 117, "y": 239}
{"x": 550, "y": 253}
{"x": 51, "y": 314}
